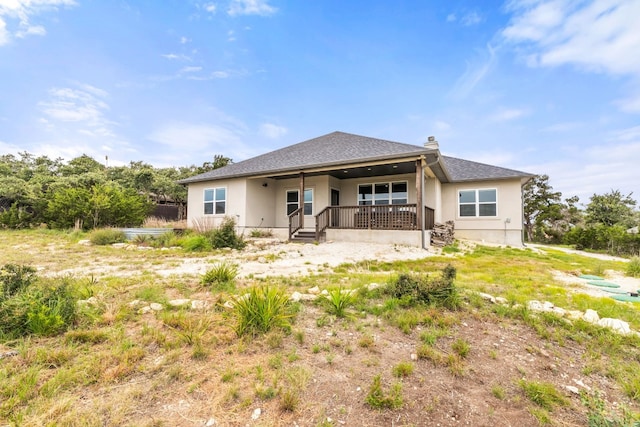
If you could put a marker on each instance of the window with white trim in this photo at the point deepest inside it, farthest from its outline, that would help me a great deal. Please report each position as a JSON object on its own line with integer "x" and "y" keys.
{"x": 215, "y": 201}
{"x": 478, "y": 203}
{"x": 293, "y": 202}
{"x": 383, "y": 193}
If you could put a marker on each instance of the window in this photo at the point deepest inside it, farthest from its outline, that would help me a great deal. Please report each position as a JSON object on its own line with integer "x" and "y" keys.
{"x": 215, "y": 201}
{"x": 384, "y": 193}
{"x": 478, "y": 203}
{"x": 293, "y": 202}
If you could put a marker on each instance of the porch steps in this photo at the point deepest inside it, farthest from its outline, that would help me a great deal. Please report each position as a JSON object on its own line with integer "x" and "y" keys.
{"x": 304, "y": 236}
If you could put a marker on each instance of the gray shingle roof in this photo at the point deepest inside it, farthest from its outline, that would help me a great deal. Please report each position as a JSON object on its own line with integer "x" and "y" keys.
{"x": 339, "y": 148}
{"x": 465, "y": 170}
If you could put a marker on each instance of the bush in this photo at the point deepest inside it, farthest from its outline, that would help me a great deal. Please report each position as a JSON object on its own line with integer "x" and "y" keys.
{"x": 15, "y": 217}
{"x": 412, "y": 289}
{"x": 225, "y": 236}
{"x": 45, "y": 309}
{"x": 107, "y": 236}
{"x": 14, "y": 278}
{"x": 262, "y": 309}
{"x": 338, "y": 300}
{"x": 633, "y": 268}
{"x": 196, "y": 243}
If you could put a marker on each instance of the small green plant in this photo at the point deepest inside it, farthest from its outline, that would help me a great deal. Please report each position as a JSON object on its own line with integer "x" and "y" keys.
{"x": 461, "y": 347}
{"x": 366, "y": 341}
{"x": 289, "y": 400}
{"x": 379, "y": 399}
{"x": 262, "y": 309}
{"x": 339, "y": 300}
{"x": 633, "y": 267}
{"x": 498, "y": 391}
{"x": 403, "y": 369}
{"x": 107, "y": 236}
{"x": 543, "y": 394}
{"x": 222, "y": 273}
{"x": 196, "y": 243}
{"x": 261, "y": 232}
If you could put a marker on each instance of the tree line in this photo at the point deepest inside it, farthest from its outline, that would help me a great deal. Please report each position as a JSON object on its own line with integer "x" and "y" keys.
{"x": 83, "y": 193}
{"x": 608, "y": 222}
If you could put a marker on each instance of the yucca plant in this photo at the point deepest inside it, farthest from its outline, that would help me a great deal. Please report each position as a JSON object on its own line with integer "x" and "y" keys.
{"x": 261, "y": 309}
{"x": 339, "y": 300}
{"x": 222, "y": 273}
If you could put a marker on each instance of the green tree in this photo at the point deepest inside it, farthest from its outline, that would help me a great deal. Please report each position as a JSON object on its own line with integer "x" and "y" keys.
{"x": 541, "y": 204}
{"x": 611, "y": 209}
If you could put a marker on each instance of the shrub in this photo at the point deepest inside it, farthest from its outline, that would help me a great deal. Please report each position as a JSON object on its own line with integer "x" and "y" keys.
{"x": 196, "y": 243}
{"x": 411, "y": 289}
{"x": 221, "y": 273}
{"x": 14, "y": 278}
{"x": 225, "y": 236}
{"x": 41, "y": 308}
{"x": 633, "y": 268}
{"x": 107, "y": 236}
{"x": 261, "y": 232}
{"x": 15, "y": 217}
{"x": 261, "y": 309}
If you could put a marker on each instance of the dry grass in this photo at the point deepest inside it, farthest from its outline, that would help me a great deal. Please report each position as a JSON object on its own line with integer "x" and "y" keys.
{"x": 185, "y": 367}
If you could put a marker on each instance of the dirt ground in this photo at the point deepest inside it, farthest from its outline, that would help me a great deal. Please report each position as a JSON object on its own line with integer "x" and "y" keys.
{"x": 483, "y": 390}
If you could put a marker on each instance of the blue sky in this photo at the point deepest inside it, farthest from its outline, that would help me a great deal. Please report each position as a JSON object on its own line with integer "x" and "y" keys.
{"x": 541, "y": 86}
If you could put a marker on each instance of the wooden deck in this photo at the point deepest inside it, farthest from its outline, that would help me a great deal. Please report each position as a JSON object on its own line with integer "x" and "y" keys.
{"x": 378, "y": 217}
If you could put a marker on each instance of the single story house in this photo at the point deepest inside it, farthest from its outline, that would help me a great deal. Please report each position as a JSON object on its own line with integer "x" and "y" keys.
{"x": 346, "y": 187}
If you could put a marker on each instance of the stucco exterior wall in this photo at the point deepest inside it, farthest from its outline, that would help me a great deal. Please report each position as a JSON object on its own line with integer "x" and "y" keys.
{"x": 260, "y": 209}
{"x": 504, "y": 228}
{"x": 321, "y": 195}
{"x": 235, "y": 207}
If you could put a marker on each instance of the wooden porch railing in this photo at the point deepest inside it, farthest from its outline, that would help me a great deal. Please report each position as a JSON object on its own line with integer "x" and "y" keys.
{"x": 429, "y": 218}
{"x": 378, "y": 217}
{"x": 295, "y": 221}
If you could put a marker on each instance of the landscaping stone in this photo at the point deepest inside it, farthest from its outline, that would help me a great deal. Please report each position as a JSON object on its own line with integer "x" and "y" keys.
{"x": 179, "y": 302}
{"x": 617, "y": 325}
{"x": 591, "y": 316}
{"x": 155, "y": 306}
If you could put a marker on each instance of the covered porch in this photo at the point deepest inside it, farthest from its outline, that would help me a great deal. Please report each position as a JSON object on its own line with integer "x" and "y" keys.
{"x": 389, "y": 196}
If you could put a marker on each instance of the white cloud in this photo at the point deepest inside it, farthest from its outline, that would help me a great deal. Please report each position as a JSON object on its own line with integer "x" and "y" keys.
{"x": 184, "y": 40}
{"x": 210, "y": 7}
{"x": 174, "y": 56}
{"x": 185, "y": 141}
{"x": 630, "y": 104}
{"x": 471, "y": 18}
{"x": 84, "y": 105}
{"x": 451, "y": 17}
{"x": 190, "y": 69}
{"x": 20, "y": 12}
{"x": 251, "y": 7}
{"x": 562, "y": 127}
{"x": 272, "y": 131}
{"x": 474, "y": 74}
{"x": 584, "y": 171}
{"x": 597, "y": 35}
{"x": 507, "y": 114}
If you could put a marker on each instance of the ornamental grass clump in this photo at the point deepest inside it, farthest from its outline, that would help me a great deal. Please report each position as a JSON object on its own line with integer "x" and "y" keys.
{"x": 262, "y": 309}
{"x": 107, "y": 236}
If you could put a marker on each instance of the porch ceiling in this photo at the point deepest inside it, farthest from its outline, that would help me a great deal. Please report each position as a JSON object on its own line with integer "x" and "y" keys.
{"x": 395, "y": 168}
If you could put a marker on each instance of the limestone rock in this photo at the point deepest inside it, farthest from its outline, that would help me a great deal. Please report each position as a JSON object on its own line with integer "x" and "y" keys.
{"x": 487, "y": 297}
{"x": 155, "y": 306}
{"x": 179, "y": 302}
{"x": 591, "y": 316}
{"x": 617, "y": 325}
